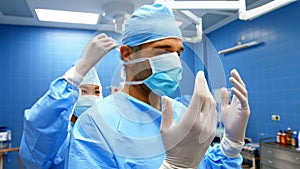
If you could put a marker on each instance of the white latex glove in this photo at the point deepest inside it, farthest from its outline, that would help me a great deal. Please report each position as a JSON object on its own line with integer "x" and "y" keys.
{"x": 98, "y": 47}
{"x": 235, "y": 116}
{"x": 187, "y": 141}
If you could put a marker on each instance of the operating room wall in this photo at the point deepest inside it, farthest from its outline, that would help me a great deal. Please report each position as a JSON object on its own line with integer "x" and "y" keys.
{"x": 270, "y": 70}
{"x": 32, "y": 57}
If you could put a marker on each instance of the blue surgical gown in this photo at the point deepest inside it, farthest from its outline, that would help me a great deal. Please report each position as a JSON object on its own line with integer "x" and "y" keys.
{"x": 123, "y": 132}
{"x": 47, "y": 129}
{"x": 119, "y": 132}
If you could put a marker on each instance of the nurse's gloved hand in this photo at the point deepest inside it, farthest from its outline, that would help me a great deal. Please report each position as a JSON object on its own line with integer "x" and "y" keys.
{"x": 235, "y": 116}
{"x": 187, "y": 141}
{"x": 98, "y": 47}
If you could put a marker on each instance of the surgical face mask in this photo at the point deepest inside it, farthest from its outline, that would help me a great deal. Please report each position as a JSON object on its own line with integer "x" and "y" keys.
{"x": 166, "y": 73}
{"x": 84, "y": 103}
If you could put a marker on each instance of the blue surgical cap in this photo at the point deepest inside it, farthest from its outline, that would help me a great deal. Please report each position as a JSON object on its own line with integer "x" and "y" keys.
{"x": 150, "y": 23}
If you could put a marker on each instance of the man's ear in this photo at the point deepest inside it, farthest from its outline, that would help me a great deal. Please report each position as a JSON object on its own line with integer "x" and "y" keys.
{"x": 125, "y": 53}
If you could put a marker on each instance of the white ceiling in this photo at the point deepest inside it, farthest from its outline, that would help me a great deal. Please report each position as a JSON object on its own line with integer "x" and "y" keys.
{"x": 21, "y": 12}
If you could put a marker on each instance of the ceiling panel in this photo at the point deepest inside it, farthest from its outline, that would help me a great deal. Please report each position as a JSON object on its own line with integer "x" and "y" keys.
{"x": 211, "y": 19}
{"x": 21, "y": 12}
{"x": 17, "y": 8}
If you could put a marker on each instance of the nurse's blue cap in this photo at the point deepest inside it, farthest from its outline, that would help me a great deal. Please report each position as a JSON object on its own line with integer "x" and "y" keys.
{"x": 150, "y": 23}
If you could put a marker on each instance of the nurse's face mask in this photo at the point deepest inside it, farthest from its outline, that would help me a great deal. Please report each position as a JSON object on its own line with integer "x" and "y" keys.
{"x": 88, "y": 96}
{"x": 84, "y": 102}
{"x": 166, "y": 73}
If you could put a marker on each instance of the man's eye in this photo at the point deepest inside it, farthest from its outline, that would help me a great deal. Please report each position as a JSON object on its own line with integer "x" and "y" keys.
{"x": 97, "y": 92}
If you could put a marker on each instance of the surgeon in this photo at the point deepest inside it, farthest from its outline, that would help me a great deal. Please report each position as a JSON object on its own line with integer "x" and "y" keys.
{"x": 48, "y": 123}
{"x": 140, "y": 127}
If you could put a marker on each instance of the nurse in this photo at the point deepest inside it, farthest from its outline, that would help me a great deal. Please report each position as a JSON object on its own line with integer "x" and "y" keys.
{"x": 140, "y": 127}
{"x": 49, "y": 122}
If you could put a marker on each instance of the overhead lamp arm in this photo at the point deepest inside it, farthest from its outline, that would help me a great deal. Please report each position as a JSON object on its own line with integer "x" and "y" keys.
{"x": 198, "y": 22}
{"x": 239, "y": 5}
{"x": 264, "y": 9}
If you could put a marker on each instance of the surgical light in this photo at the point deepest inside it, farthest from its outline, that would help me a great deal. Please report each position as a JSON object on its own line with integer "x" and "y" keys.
{"x": 67, "y": 16}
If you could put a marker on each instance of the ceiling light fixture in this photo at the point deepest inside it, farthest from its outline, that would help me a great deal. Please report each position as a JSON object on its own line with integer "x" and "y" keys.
{"x": 67, "y": 16}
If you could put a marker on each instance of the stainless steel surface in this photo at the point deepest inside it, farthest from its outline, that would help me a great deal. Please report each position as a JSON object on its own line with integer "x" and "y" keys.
{"x": 273, "y": 155}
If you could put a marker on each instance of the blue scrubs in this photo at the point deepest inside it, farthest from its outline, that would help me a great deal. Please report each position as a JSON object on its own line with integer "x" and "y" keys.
{"x": 119, "y": 132}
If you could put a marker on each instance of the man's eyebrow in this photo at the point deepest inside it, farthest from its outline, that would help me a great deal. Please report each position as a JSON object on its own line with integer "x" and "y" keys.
{"x": 166, "y": 47}
{"x": 162, "y": 46}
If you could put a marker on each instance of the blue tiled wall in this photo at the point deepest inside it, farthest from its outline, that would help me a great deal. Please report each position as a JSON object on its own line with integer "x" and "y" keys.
{"x": 31, "y": 58}
{"x": 270, "y": 70}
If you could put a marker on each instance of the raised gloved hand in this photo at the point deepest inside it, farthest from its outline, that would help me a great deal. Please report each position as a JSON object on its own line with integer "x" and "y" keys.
{"x": 187, "y": 141}
{"x": 96, "y": 49}
{"x": 235, "y": 116}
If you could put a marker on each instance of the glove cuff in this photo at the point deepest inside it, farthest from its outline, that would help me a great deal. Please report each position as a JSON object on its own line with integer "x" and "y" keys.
{"x": 229, "y": 148}
{"x": 73, "y": 77}
{"x": 166, "y": 165}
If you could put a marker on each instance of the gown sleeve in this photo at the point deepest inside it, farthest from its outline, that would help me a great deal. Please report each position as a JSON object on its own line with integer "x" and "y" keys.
{"x": 46, "y": 125}
{"x": 215, "y": 159}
